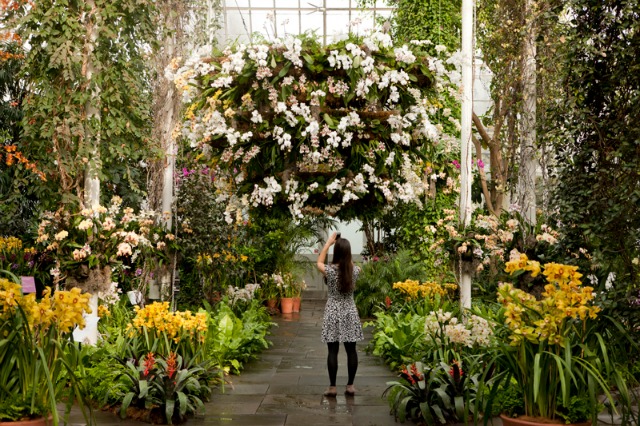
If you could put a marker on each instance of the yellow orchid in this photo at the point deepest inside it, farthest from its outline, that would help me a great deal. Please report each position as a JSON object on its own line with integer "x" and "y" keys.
{"x": 542, "y": 320}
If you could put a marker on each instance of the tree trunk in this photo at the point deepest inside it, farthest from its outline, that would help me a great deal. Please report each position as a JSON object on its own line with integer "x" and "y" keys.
{"x": 92, "y": 110}
{"x": 526, "y": 192}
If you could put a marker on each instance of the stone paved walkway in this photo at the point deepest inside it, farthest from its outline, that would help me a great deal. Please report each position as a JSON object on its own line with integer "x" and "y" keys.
{"x": 284, "y": 386}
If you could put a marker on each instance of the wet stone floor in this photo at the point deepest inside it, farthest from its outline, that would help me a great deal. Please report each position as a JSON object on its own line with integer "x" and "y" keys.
{"x": 284, "y": 386}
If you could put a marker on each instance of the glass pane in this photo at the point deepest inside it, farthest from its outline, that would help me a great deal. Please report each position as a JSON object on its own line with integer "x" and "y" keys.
{"x": 235, "y": 27}
{"x": 312, "y": 22}
{"x": 342, "y": 4}
{"x": 337, "y": 25}
{"x": 234, "y": 4}
{"x": 287, "y": 22}
{"x": 290, "y": 4}
{"x": 263, "y": 23}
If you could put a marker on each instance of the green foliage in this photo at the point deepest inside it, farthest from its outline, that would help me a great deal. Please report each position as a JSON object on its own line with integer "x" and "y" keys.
{"x": 21, "y": 191}
{"x": 509, "y": 401}
{"x": 13, "y": 408}
{"x": 69, "y": 74}
{"x": 235, "y": 339}
{"x": 596, "y": 136}
{"x": 398, "y": 337}
{"x": 431, "y": 394}
{"x": 277, "y": 239}
{"x": 219, "y": 250}
{"x": 378, "y": 275}
{"x": 437, "y": 21}
{"x": 38, "y": 360}
{"x": 415, "y": 232}
{"x": 166, "y": 385}
{"x": 102, "y": 376}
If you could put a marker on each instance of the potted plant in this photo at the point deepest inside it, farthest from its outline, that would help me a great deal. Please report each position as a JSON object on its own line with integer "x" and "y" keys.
{"x": 549, "y": 348}
{"x": 298, "y": 287}
{"x": 285, "y": 284}
{"x": 38, "y": 357}
{"x": 270, "y": 291}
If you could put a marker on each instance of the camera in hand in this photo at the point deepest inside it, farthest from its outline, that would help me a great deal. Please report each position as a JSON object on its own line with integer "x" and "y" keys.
{"x": 337, "y": 235}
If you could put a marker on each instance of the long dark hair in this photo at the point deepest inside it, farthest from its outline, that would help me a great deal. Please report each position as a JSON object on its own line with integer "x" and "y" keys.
{"x": 342, "y": 258}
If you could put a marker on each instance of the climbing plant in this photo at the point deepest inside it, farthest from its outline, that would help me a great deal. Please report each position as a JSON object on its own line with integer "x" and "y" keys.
{"x": 597, "y": 134}
{"x": 21, "y": 181}
{"x": 86, "y": 56}
{"x": 437, "y": 20}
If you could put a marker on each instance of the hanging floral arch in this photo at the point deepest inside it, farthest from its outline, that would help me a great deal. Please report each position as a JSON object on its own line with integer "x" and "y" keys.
{"x": 346, "y": 129}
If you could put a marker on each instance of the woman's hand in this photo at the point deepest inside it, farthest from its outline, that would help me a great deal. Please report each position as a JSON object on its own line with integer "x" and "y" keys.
{"x": 332, "y": 239}
{"x": 323, "y": 254}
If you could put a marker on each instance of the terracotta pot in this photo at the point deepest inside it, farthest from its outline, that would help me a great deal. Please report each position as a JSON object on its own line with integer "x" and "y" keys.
{"x": 272, "y": 303}
{"x": 296, "y": 304}
{"x": 40, "y": 421}
{"x": 536, "y": 421}
{"x": 286, "y": 305}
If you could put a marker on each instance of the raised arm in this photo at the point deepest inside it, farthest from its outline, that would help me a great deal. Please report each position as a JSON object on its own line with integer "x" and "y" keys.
{"x": 323, "y": 253}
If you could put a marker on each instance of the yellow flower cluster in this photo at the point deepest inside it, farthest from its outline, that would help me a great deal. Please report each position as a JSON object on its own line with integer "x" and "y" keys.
{"x": 523, "y": 264}
{"x": 10, "y": 244}
{"x": 176, "y": 325}
{"x": 545, "y": 320}
{"x": 103, "y": 311}
{"x": 413, "y": 289}
{"x": 225, "y": 256}
{"x": 63, "y": 309}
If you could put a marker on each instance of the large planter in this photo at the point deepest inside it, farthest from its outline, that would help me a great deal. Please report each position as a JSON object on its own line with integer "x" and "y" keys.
{"x": 535, "y": 421}
{"x": 40, "y": 421}
{"x": 286, "y": 305}
{"x": 296, "y": 304}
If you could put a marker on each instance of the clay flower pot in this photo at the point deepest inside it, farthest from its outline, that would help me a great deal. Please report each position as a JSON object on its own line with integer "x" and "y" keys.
{"x": 272, "y": 303}
{"x": 534, "y": 421}
{"x": 296, "y": 304}
{"x": 40, "y": 421}
{"x": 286, "y": 305}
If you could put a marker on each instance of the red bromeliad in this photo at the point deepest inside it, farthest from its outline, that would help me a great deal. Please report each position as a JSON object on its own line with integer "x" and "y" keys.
{"x": 149, "y": 363}
{"x": 172, "y": 364}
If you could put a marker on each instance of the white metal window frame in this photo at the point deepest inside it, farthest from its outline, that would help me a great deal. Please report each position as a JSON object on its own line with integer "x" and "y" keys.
{"x": 245, "y": 17}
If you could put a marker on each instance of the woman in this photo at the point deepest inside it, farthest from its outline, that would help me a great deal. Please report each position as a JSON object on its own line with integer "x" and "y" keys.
{"x": 341, "y": 321}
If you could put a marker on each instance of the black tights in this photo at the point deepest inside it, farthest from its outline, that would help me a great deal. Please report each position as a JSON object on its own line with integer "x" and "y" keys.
{"x": 332, "y": 361}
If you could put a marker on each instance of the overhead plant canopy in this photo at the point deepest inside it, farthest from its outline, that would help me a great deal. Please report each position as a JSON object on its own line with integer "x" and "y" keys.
{"x": 347, "y": 129}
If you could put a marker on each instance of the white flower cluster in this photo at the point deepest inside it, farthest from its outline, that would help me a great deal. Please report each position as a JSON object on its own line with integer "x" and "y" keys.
{"x": 245, "y": 294}
{"x": 265, "y": 195}
{"x": 296, "y": 125}
{"x": 443, "y": 328}
{"x": 112, "y": 295}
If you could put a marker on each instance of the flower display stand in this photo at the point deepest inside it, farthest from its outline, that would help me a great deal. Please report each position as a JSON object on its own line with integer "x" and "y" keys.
{"x": 89, "y": 334}
{"x": 286, "y": 305}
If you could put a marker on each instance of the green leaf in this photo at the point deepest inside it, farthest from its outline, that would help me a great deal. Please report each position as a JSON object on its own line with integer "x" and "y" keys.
{"x": 169, "y": 409}
{"x": 126, "y": 401}
{"x": 327, "y": 119}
